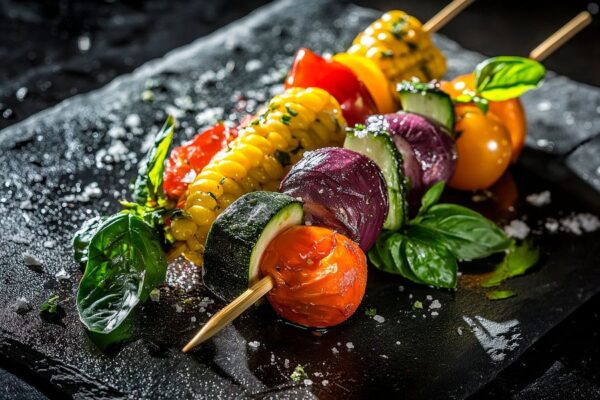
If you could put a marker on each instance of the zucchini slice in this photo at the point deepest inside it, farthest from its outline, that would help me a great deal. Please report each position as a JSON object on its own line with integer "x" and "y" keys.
{"x": 429, "y": 101}
{"x": 239, "y": 236}
{"x": 378, "y": 146}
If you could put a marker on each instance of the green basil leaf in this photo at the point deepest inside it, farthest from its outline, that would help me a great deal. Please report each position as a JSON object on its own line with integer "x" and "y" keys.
{"x": 516, "y": 262}
{"x": 429, "y": 259}
{"x": 82, "y": 238}
{"x": 507, "y": 77}
{"x": 466, "y": 233}
{"x": 431, "y": 197}
{"x": 417, "y": 256}
{"x": 148, "y": 187}
{"x": 125, "y": 262}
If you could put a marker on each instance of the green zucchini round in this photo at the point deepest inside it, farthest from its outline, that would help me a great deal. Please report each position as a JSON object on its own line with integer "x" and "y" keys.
{"x": 239, "y": 236}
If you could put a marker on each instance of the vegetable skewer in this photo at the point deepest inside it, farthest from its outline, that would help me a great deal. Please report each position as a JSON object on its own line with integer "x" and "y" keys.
{"x": 264, "y": 285}
{"x": 298, "y": 120}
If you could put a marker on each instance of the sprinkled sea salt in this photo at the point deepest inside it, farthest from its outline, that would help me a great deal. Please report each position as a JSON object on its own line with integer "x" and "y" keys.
{"x": 349, "y": 345}
{"x": 435, "y": 305}
{"x": 379, "y": 319}
{"x": 539, "y": 199}
{"x": 253, "y": 65}
{"x": 334, "y": 350}
{"x": 254, "y": 344}
{"x": 517, "y": 229}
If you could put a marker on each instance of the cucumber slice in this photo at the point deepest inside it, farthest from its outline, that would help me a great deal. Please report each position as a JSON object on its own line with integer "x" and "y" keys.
{"x": 429, "y": 101}
{"x": 378, "y": 146}
{"x": 238, "y": 237}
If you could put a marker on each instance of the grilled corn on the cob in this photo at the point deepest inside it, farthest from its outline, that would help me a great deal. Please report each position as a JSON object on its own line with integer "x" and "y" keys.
{"x": 295, "y": 121}
{"x": 397, "y": 43}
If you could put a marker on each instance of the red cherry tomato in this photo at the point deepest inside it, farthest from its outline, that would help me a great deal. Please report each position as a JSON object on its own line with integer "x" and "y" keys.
{"x": 320, "y": 276}
{"x": 312, "y": 70}
{"x": 188, "y": 159}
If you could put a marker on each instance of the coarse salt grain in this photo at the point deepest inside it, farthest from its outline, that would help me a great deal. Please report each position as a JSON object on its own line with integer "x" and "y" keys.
{"x": 517, "y": 229}
{"x": 539, "y": 199}
{"x": 379, "y": 319}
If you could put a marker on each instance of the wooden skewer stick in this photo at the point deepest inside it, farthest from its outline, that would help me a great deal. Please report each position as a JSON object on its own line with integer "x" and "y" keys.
{"x": 570, "y": 29}
{"x": 231, "y": 312}
{"x": 262, "y": 287}
{"x": 445, "y": 15}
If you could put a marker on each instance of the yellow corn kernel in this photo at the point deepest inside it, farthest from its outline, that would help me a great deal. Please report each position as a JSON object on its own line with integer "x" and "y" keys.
{"x": 233, "y": 188}
{"x": 226, "y": 200}
{"x": 200, "y": 198}
{"x": 207, "y": 186}
{"x": 183, "y": 228}
{"x": 202, "y": 215}
{"x": 194, "y": 244}
{"x": 231, "y": 169}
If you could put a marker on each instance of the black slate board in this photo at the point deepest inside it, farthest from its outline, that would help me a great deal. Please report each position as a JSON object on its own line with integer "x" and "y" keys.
{"x": 50, "y": 160}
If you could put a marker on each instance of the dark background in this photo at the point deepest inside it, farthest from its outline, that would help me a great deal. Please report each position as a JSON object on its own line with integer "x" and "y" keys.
{"x": 53, "y": 49}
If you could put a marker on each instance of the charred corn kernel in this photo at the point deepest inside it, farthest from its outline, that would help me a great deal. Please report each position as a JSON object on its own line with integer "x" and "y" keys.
{"x": 297, "y": 120}
{"x": 183, "y": 228}
{"x": 400, "y": 47}
{"x": 202, "y": 215}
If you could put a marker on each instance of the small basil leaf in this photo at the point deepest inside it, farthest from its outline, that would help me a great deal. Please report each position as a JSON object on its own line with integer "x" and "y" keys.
{"x": 507, "y": 77}
{"x": 148, "y": 187}
{"x": 466, "y": 233}
{"x": 429, "y": 259}
{"x": 431, "y": 197}
{"x": 125, "y": 262}
{"x": 82, "y": 238}
{"x": 517, "y": 261}
{"x": 396, "y": 246}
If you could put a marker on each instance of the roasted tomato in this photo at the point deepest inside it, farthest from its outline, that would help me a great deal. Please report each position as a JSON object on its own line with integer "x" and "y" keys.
{"x": 320, "y": 276}
{"x": 483, "y": 148}
{"x": 189, "y": 158}
{"x": 510, "y": 112}
{"x": 312, "y": 70}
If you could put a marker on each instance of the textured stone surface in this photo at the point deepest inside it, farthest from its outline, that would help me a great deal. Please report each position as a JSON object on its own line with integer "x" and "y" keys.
{"x": 585, "y": 161}
{"x": 75, "y": 160}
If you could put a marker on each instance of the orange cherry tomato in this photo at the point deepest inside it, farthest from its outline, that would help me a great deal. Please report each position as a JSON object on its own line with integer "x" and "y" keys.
{"x": 510, "y": 112}
{"x": 483, "y": 148}
{"x": 320, "y": 276}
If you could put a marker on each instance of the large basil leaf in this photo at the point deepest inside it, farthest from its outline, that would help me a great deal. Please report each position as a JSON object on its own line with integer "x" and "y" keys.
{"x": 82, "y": 238}
{"x": 507, "y": 77}
{"x": 429, "y": 259}
{"x": 516, "y": 262}
{"x": 417, "y": 256}
{"x": 466, "y": 233}
{"x": 148, "y": 188}
{"x": 125, "y": 262}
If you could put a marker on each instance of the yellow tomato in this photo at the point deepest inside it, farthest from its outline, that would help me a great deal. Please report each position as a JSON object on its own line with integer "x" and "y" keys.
{"x": 369, "y": 73}
{"x": 483, "y": 148}
{"x": 510, "y": 112}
